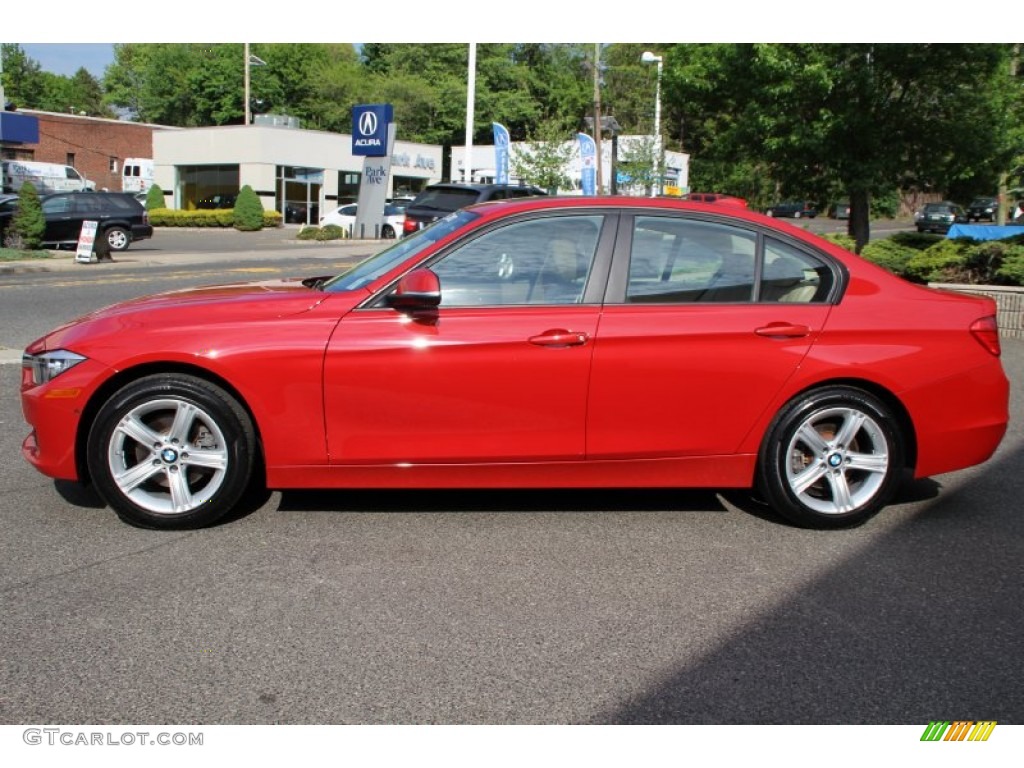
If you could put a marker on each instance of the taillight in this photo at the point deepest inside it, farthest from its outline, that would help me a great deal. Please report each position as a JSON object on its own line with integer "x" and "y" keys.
{"x": 409, "y": 226}
{"x": 986, "y": 331}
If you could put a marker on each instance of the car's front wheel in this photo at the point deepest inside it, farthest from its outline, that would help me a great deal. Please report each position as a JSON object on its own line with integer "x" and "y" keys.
{"x": 832, "y": 458}
{"x": 388, "y": 232}
{"x": 171, "y": 451}
{"x": 118, "y": 238}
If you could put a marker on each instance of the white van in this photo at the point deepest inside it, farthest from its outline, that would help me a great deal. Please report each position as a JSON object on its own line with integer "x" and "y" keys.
{"x": 45, "y": 177}
{"x": 137, "y": 174}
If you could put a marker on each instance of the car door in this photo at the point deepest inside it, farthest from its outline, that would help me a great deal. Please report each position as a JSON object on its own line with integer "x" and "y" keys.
{"x": 498, "y": 373}
{"x": 704, "y": 324}
{"x": 62, "y": 224}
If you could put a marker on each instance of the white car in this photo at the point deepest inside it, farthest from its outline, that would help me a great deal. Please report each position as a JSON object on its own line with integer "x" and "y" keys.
{"x": 345, "y": 217}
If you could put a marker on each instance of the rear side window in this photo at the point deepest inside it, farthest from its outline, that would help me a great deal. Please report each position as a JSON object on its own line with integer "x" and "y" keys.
{"x": 677, "y": 260}
{"x": 681, "y": 260}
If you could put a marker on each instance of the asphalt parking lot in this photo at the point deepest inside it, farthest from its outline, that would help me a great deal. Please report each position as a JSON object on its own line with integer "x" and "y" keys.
{"x": 522, "y": 607}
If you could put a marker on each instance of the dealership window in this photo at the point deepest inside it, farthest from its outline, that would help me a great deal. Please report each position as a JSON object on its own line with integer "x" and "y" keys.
{"x": 208, "y": 186}
{"x": 348, "y": 187}
{"x": 298, "y": 194}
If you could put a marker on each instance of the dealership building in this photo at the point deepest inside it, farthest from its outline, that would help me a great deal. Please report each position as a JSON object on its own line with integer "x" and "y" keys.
{"x": 298, "y": 172}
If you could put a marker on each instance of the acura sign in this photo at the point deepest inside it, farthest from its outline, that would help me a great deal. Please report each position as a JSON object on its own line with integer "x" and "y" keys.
{"x": 370, "y": 129}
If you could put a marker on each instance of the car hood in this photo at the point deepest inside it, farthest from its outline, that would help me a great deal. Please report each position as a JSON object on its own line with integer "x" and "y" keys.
{"x": 192, "y": 308}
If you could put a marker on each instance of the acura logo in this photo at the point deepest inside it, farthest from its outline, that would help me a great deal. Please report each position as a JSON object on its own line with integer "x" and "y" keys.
{"x": 368, "y": 123}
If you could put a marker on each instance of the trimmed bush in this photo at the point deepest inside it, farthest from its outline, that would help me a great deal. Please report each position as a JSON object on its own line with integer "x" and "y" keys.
{"x": 28, "y": 223}
{"x": 154, "y": 198}
{"x": 329, "y": 232}
{"x": 272, "y": 219}
{"x": 248, "y": 210}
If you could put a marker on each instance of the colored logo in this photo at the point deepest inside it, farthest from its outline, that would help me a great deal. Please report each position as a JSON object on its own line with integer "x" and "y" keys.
{"x": 958, "y": 730}
{"x": 370, "y": 129}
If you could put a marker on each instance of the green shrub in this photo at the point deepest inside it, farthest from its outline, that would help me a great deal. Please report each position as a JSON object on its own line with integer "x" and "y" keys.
{"x": 1012, "y": 270}
{"x": 842, "y": 240}
{"x": 28, "y": 223}
{"x": 919, "y": 241}
{"x": 248, "y": 210}
{"x": 329, "y": 232}
{"x": 272, "y": 219}
{"x": 889, "y": 254}
{"x": 943, "y": 262}
{"x": 154, "y": 198}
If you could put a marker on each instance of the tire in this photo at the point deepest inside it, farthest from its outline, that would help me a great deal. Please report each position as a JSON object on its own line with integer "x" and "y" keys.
{"x": 118, "y": 238}
{"x": 388, "y": 232}
{"x": 797, "y": 214}
{"x": 832, "y": 458}
{"x": 171, "y": 451}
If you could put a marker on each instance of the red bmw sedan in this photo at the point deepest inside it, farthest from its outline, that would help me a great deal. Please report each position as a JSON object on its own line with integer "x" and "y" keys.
{"x": 549, "y": 342}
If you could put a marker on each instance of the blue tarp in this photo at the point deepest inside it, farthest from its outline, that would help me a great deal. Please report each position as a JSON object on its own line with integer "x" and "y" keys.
{"x": 983, "y": 231}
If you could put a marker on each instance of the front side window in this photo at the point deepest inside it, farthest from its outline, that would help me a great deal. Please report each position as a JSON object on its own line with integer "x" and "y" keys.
{"x": 540, "y": 261}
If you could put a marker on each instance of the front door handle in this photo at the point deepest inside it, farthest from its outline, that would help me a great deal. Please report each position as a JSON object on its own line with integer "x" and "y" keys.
{"x": 559, "y": 337}
{"x": 783, "y": 330}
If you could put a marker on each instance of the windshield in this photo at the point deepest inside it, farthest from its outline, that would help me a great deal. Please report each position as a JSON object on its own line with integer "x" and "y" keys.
{"x": 365, "y": 272}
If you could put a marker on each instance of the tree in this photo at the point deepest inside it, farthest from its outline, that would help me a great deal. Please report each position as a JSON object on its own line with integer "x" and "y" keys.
{"x": 248, "y": 210}
{"x": 856, "y": 117}
{"x": 542, "y": 161}
{"x": 22, "y": 77}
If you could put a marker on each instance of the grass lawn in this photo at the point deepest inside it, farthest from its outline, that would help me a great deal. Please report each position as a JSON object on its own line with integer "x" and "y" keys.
{"x": 12, "y": 254}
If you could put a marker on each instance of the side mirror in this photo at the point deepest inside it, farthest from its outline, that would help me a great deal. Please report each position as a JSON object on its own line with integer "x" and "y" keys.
{"x": 417, "y": 291}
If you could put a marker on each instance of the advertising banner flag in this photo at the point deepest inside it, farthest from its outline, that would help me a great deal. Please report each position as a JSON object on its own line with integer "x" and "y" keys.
{"x": 500, "y": 153}
{"x": 588, "y": 154}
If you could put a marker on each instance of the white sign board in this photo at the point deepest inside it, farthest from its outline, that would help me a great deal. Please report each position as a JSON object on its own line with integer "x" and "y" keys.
{"x": 86, "y": 241}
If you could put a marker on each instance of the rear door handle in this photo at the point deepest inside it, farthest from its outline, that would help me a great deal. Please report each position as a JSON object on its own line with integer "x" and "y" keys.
{"x": 559, "y": 337}
{"x": 783, "y": 330}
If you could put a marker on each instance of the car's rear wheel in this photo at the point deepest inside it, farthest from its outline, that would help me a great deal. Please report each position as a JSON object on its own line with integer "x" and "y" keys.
{"x": 832, "y": 458}
{"x": 118, "y": 238}
{"x": 388, "y": 232}
{"x": 171, "y": 451}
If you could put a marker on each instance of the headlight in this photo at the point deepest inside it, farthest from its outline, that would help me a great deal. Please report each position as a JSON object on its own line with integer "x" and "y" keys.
{"x": 48, "y": 365}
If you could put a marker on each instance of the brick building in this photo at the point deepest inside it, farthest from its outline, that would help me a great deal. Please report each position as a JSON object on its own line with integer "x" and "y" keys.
{"x": 96, "y": 147}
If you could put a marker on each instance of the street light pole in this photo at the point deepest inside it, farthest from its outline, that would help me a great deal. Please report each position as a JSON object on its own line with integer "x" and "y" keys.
{"x": 250, "y": 61}
{"x": 650, "y": 58}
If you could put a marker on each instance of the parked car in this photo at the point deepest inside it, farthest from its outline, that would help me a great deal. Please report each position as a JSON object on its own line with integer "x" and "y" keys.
{"x": 122, "y": 219}
{"x": 438, "y": 200}
{"x": 983, "y": 209}
{"x": 345, "y": 217}
{"x": 794, "y": 210}
{"x": 714, "y": 197}
{"x": 939, "y": 217}
{"x": 500, "y": 348}
{"x": 840, "y": 210}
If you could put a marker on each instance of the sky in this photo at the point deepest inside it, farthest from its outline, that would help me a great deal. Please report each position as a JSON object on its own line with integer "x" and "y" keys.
{"x": 66, "y": 58}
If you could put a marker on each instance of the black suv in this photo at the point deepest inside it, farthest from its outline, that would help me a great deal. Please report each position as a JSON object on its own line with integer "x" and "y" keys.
{"x": 794, "y": 210}
{"x": 438, "y": 200}
{"x": 122, "y": 219}
{"x": 986, "y": 208}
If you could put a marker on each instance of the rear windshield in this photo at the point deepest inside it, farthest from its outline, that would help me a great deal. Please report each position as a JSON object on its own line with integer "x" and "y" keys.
{"x": 445, "y": 199}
